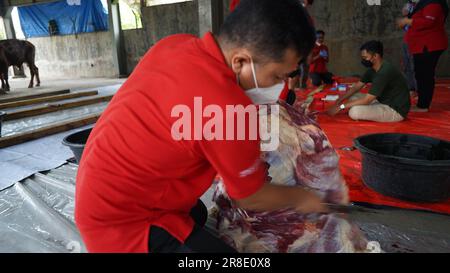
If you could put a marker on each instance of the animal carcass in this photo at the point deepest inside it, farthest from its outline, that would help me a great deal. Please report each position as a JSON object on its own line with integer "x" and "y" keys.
{"x": 304, "y": 158}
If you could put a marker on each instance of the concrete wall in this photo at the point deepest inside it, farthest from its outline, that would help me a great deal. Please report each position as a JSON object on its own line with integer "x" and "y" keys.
{"x": 159, "y": 22}
{"x": 349, "y": 23}
{"x": 71, "y": 56}
{"x": 135, "y": 47}
{"x": 164, "y": 20}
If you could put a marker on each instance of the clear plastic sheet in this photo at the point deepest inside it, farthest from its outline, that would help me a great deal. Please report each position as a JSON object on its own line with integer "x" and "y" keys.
{"x": 30, "y": 123}
{"x": 406, "y": 231}
{"x": 21, "y": 161}
{"x": 66, "y": 174}
{"x": 37, "y": 215}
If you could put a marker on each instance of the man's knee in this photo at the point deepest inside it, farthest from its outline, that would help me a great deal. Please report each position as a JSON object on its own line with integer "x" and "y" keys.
{"x": 355, "y": 112}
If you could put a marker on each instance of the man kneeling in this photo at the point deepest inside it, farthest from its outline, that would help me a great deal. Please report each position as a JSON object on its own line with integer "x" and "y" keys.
{"x": 388, "y": 99}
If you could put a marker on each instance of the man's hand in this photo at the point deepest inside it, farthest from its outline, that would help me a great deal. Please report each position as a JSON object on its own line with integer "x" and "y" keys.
{"x": 339, "y": 101}
{"x": 402, "y": 22}
{"x": 274, "y": 197}
{"x": 323, "y": 54}
{"x": 334, "y": 110}
{"x": 311, "y": 203}
{"x": 353, "y": 90}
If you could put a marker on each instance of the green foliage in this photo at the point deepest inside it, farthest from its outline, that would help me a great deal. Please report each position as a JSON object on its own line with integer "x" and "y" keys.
{"x": 130, "y": 14}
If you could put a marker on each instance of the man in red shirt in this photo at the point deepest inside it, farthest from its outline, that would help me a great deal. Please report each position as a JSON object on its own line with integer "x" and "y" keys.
{"x": 320, "y": 57}
{"x": 138, "y": 185}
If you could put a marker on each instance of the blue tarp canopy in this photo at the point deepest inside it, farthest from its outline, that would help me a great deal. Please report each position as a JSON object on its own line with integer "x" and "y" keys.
{"x": 71, "y": 17}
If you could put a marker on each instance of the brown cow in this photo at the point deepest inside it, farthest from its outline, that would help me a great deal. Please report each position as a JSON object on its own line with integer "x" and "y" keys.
{"x": 18, "y": 52}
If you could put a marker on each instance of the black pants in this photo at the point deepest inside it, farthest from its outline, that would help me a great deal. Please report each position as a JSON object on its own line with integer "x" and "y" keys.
{"x": 291, "y": 97}
{"x": 425, "y": 67}
{"x": 318, "y": 78}
{"x": 304, "y": 70}
{"x": 200, "y": 240}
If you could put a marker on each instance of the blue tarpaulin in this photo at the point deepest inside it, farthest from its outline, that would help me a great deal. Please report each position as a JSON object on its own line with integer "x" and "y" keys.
{"x": 71, "y": 17}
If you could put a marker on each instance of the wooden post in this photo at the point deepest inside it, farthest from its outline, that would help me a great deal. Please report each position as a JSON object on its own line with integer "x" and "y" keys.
{"x": 34, "y": 96}
{"x": 54, "y": 107}
{"x": 47, "y": 99}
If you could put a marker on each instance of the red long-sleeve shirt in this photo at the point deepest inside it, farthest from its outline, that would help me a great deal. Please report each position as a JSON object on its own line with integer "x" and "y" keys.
{"x": 134, "y": 174}
{"x": 320, "y": 64}
{"x": 233, "y": 4}
{"x": 427, "y": 30}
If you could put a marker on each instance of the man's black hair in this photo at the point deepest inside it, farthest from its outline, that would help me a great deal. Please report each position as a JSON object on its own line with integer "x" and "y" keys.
{"x": 320, "y": 32}
{"x": 373, "y": 47}
{"x": 269, "y": 27}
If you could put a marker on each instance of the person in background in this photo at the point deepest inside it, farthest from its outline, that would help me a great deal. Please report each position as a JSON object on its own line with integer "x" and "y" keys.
{"x": 427, "y": 40}
{"x": 407, "y": 58}
{"x": 388, "y": 99}
{"x": 300, "y": 76}
{"x": 318, "y": 71}
{"x": 304, "y": 65}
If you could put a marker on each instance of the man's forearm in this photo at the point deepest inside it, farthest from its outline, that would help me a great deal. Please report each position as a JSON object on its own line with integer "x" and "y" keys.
{"x": 362, "y": 101}
{"x": 273, "y": 197}
{"x": 350, "y": 93}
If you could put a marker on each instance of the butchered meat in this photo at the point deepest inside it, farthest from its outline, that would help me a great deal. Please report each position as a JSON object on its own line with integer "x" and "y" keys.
{"x": 304, "y": 158}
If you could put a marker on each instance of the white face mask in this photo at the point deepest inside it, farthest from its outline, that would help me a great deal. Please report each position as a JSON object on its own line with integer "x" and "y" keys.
{"x": 261, "y": 96}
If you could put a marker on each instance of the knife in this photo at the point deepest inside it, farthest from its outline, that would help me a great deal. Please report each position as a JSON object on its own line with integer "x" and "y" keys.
{"x": 351, "y": 208}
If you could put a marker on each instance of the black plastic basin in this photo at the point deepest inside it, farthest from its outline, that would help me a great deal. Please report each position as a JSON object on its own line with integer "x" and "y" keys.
{"x": 408, "y": 167}
{"x": 2, "y": 116}
{"x": 76, "y": 142}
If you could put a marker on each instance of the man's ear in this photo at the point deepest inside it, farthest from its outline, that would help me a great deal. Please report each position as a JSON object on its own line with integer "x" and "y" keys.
{"x": 238, "y": 60}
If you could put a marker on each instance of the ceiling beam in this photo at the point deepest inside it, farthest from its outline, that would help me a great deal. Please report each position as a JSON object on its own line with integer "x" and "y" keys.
{"x": 20, "y": 3}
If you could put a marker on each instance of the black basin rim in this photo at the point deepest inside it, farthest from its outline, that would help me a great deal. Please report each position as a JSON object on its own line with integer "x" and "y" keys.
{"x": 66, "y": 142}
{"x": 412, "y": 161}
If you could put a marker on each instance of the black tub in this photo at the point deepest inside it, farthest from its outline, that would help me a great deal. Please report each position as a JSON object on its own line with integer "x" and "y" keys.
{"x": 409, "y": 167}
{"x": 76, "y": 142}
{"x": 2, "y": 116}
